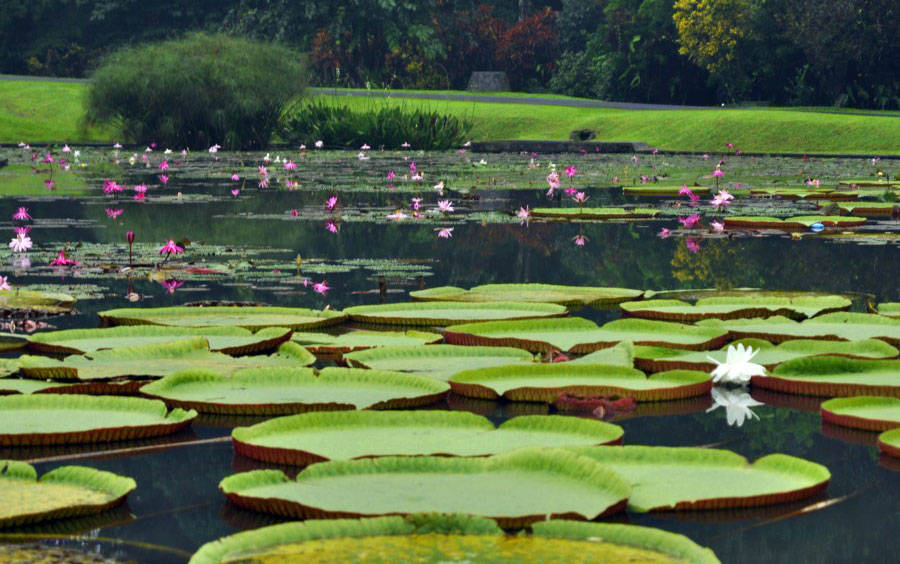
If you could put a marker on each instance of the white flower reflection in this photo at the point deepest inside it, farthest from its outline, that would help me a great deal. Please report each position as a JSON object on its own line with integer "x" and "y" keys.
{"x": 737, "y": 404}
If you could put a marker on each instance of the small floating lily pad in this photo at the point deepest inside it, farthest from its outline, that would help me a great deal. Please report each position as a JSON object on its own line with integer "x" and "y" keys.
{"x": 249, "y": 317}
{"x": 448, "y": 313}
{"x": 68, "y": 491}
{"x": 685, "y": 478}
{"x": 315, "y": 437}
{"x": 276, "y": 391}
{"x": 889, "y": 443}
{"x": 154, "y": 361}
{"x": 888, "y": 309}
{"x": 437, "y": 361}
{"x": 842, "y": 326}
{"x": 594, "y": 213}
{"x": 50, "y": 419}
{"x": 546, "y": 293}
{"x": 324, "y": 345}
{"x": 545, "y": 382}
{"x": 447, "y": 538}
{"x": 228, "y": 340}
{"x": 799, "y": 222}
{"x": 736, "y": 307}
{"x": 558, "y": 483}
{"x": 872, "y": 413}
{"x": 834, "y": 376}
{"x": 579, "y": 336}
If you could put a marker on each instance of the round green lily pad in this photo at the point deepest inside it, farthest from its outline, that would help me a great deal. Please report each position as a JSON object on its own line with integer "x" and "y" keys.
{"x": 546, "y": 293}
{"x": 329, "y": 347}
{"x": 580, "y": 336}
{"x": 687, "y": 478}
{"x": 515, "y": 488}
{"x": 889, "y": 443}
{"x": 67, "y": 491}
{"x": 342, "y": 435}
{"x": 791, "y": 223}
{"x": 448, "y": 313}
{"x": 735, "y": 307}
{"x": 545, "y": 382}
{"x": 227, "y": 340}
{"x": 277, "y": 391}
{"x": 50, "y": 419}
{"x": 249, "y": 317}
{"x": 437, "y": 361}
{"x": 840, "y": 326}
{"x": 593, "y": 213}
{"x": 451, "y": 538}
{"x": 872, "y": 413}
{"x": 834, "y": 376}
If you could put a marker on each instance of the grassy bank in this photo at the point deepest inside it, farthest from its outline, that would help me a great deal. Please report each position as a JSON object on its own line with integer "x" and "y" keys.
{"x": 41, "y": 111}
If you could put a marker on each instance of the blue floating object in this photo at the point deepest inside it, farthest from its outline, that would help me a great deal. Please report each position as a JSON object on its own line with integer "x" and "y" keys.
{"x": 817, "y": 227}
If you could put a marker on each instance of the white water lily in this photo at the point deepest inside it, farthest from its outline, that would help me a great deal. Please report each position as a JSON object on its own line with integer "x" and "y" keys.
{"x": 737, "y": 368}
{"x": 737, "y": 404}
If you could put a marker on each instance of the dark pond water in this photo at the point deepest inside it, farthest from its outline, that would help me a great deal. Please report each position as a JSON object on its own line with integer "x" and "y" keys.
{"x": 244, "y": 248}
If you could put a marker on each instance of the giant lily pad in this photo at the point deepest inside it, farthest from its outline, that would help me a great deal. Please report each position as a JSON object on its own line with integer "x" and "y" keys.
{"x": 315, "y": 437}
{"x": 889, "y": 443}
{"x": 49, "y": 419}
{"x": 870, "y": 209}
{"x": 616, "y": 355}
{"x": 157, "y": 360}
{"x": 448, "y": 313}
{"x": 250, "y": 317}
{"x": 327, "y": 346}
{"x": 834, "y": 376}
{"x": 872, "y": 413}
{"x": 889, "y": 309}
{"x": 736, "y": 307}
{"x": 841, "y": 326}
{"x": 557, "y": 482}
{"x": 655, "y": 359}
{"x": 663, "y": 191}
{"x": 679, "y": 478}
{"x": 545, "y": 382}
{"x": 437, "y": 361}
{"x": 276, "y": 391}
{"x": 791, "y": 223}
{"x": 546, "y": 293}
{"x": 449, "y": 538}
{"x": 67, "y": 491}
{"x": 228, "y": 340}
{"x": 40, "y": 303}
{"x": 593, "y": 213}
{"x": 577, "y": 335}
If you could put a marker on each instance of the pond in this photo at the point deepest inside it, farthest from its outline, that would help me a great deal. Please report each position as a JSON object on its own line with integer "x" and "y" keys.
{"x": 386, "y": 236}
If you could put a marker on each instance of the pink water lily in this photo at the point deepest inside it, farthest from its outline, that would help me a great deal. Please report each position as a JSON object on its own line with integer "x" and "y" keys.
{"x": 21, "y": 214}
{"x": 580, "y": 197}
{"x": 718, "y": 172}
{"x": 444, "y": 232}
{"x": 405, "y": 145}
{"x": 235, "y": 192}
{"x": 295, "y": 212}
{"x": 214, "y": 149}
{"x": 412, "y": 167}
{"x": 331, "y": 203}
{"x": 172, "y": 285}
{"x": 723, "y": 198}
{"x": 332, "y": 226}
{"x": 717, "y": 226}
{"x": 321, "y": 287}
{"x": 553, "y": 183}
{"x": 163, "y": 179}
{"x": 290, "y": 166}
{"x": 170, "y": 248}
{"x": 571, "y": 171}
{"x": 693, "y": 245}
{"x": 4, "y": 284}
{"x": 580, "y": 240}
{"x": 111, "y": 187}
{"x": 61, "y": 260}
{"x": 21, "y": 242}
{"x": 114, "y": 213}
{"x": 319, "y": 144}
{"x": 690, "y": 221}
{"x": 664, "y": 233}
{"x": 390, "y": 176}
{"x": 439, "y": 187}
{"x": 416, "y": 203}
{"x": 685, "y": 191}
{"x": 49, "y": 184}
{"x": 164, "y": 165}
{"x": 524, "y": 213}
{"x": 235, "y": 177}
{"x": 445, "y": 206}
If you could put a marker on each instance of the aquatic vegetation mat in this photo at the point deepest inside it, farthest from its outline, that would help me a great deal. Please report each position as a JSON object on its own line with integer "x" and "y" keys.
{"x": 315, "y": 437}
{"x": 686, "y": 478}
{"x": 227, "y": 340}
{"x": 68, "y": 491}
{"x": 448, "y": 313}
{"x": 834, "y": 376}
{"x": 330, "y": 346}
{"x": 452, "y": 538}
{"x": 735, "y": 307}
{"x": 49, "y": 419}
{"x": 546, "y": 293}
{"x": 872, "y": 413}
{"x": 545, "y": 382}
{"x": 558, "y": 483}
{"x": 437, "y": 361}
{"x": 578, "y": 335}
{"x": 249, "y": 317}
{"x": 276, "y": 391}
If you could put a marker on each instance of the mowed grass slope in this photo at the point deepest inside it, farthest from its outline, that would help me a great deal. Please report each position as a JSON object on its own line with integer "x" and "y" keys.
{"x": 52, "y": 112}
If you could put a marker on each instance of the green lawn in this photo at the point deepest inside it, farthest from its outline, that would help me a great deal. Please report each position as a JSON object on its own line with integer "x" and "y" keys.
{"x": 40, "y": 111}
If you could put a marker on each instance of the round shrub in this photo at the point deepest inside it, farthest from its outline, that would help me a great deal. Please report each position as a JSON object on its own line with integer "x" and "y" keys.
{"x": 196, "y": 92}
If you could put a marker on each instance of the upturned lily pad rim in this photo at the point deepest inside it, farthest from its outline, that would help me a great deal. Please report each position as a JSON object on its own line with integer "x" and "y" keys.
{"x": 817, "y": 475}
{"x": 157, "y": 316}
{"x": 114, "y": 486}
{"x": 391, "y": 314}
{"x": 593, "y": 213}
{"x": 338, "y": 347}
{"x": 735, "y": 308}
{"x": 416, "y": 390}
{"x": 567, "y": 295}
{"x": 670, "y": 544}
{"x": 797, "y": 222}
{"x": 889, "y": 443}
{"x": 246, "y": 440}
{"x": 560, "y": 462}
{"x": 845, "y": 412}
{"x": 582, "y": 380}
{"x": 805, "y": 376}
{"x": 366, "y": 358}
{"x": 830, "y": 326}
{"x": 169, "y": 421}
